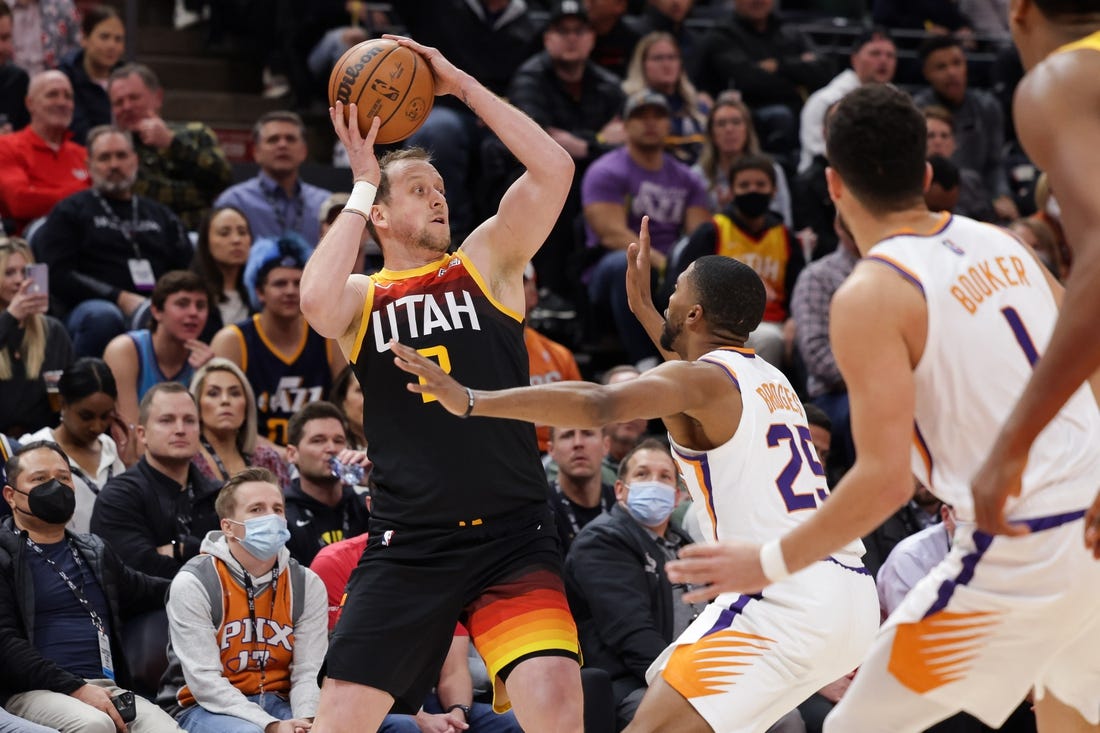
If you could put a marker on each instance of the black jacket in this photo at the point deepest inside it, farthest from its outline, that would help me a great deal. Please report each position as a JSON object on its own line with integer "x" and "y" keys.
{"x": 88, "y": 254}
{"x": 313, "y": 525}
{"x": 537, "y": 91}
{"x": 620, "y": 597}
{"x": 730, "y": 52}
{"x": 139, "y": 510}
{"x": 126, "y": 591}
{"x": 91, "y": 105}
{"x": 13, "y": 92}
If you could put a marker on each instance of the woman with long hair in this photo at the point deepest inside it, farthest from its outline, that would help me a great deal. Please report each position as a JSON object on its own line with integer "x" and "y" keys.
{"x": 225, "y": 239}
{"x": 227, "y": 424}
{"x": 32, "y": 344}
{"x": 657, "y": 65}
{"x": 102, "y": 44}
{"x": 347, "y": 394}
{"x": 730, "y": 136}
{"x": 98, "y": 443}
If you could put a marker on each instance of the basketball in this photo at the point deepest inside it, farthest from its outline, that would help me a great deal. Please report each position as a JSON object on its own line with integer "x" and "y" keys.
{"x": 387, "y": 81}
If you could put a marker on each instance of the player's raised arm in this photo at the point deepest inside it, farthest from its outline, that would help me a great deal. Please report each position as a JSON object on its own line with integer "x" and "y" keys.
{"x": 529, "y": 209}
{"x": 639, "y": 293}
{"x": 332, "y": 298}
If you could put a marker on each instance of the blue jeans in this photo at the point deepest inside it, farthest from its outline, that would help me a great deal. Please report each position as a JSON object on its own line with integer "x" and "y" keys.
{"x": 197, "y": 719}
{"x": 607, "y": 289}
{"x": 92, "y": 325}
{"x": 482, "y": 719}
{"x": 13, "y": 724}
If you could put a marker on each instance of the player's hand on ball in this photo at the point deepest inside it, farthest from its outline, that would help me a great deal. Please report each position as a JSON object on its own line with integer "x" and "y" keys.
{"x": 448, "y": 77}
{"x": 431, "y": 379}
{"x": 364, "y": 165}
{"x": 727, "y": 567}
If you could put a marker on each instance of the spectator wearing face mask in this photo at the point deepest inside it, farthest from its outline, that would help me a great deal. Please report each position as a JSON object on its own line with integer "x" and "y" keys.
{"x": 249, "y": 625}
{"x": 626, "y": 609}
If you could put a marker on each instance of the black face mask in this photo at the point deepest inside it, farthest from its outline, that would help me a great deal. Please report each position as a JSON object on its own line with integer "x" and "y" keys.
{"x": 753, "y": 204}
{"x": 53, "y": 502}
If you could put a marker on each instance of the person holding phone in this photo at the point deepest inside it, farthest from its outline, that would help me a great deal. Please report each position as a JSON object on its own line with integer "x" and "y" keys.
{"x": 32, "y": 344}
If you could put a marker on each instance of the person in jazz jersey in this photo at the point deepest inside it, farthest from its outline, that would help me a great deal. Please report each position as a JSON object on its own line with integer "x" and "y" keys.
{"x": 742, "y": 444}
{"x": 460, "y": 528}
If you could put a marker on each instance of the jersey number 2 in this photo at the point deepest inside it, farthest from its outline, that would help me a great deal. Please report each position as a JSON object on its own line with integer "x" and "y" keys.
{"x": 801, "y": 446}
{"x": 440, "y": 354}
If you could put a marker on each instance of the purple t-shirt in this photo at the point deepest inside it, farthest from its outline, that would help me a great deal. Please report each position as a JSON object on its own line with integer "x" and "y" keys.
{"x": 663, "y": 195}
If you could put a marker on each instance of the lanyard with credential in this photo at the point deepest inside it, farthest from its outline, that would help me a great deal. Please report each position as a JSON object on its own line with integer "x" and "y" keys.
{"x": 101, "y": 630}
{"x": 127, "y": 230}
{"x": 250, "y": 591}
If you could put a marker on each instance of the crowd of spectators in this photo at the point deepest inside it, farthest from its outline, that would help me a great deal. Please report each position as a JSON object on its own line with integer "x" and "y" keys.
{"x": 169, "y": 396}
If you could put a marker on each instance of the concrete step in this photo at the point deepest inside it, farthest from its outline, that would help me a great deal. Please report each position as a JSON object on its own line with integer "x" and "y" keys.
{"x": 216, "y": 107}
{"x": 167, "y": 41}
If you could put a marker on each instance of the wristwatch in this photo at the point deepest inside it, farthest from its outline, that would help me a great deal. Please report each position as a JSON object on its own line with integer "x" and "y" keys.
{"x": 464, "y": 708}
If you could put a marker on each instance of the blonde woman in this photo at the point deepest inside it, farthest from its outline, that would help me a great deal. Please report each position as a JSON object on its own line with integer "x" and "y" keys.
{"x": 31, "y": 345}
{"x": 730, "y": 135}
{"x": 657, "y": 65}
{"x": 227, "y": 424}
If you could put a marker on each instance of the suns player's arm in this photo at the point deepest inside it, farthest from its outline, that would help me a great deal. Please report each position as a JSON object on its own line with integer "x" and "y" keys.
{"x": 639, "y": 289}
{"x": 331, "y": 296}
{"x": 670, "y": 389}
{"x": 122, "y": 357}
{"x": 870, "y": 317}
{"x": 195, "y": 643}
{"x": 503, "y": 245}
{"x": 1063, "y": 89}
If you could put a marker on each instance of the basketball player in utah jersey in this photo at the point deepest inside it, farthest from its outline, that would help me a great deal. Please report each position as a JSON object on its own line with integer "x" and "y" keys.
{"x": 460, "y": 528}
{"x": 936, "y": 332}
{"x": 1055, "y": 110}
{"x": 740, "y": 438}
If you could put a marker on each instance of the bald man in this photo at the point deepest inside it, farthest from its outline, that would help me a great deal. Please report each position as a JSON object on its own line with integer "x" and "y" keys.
{"x": 40, "y": 165}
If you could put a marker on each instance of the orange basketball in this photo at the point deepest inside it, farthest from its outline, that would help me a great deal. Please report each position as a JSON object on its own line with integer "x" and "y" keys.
{"x": 387, "y": 81}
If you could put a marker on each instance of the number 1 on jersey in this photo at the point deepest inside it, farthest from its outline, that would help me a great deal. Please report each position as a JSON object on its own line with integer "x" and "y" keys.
{"x": 1019, "y": 330}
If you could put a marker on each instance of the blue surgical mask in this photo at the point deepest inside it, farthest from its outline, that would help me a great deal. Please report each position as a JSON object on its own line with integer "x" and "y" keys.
{"x": 264, "y": 536}
{"x": 651, "y": 502}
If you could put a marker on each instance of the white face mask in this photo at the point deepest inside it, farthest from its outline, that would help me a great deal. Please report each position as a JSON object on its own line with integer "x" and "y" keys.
{"x": 651, "y": 502}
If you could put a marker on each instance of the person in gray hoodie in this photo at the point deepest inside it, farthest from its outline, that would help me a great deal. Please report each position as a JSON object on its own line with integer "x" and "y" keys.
{"x": 249, "y": 625}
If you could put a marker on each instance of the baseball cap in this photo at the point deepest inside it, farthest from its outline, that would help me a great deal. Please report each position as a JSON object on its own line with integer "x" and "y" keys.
{"x": 567, "y": 8}
{"x": 644, "y": 98}
{"x": 288, "y": 250}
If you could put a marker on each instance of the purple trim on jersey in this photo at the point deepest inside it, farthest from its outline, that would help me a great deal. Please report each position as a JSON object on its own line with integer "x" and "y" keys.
{"x": 982, "y": 541}
{"x": 924, "y": 448}
{"x": 899, "y": 270}
{"x": 707, "y": 487}
{"x": 725, "y": 619}
{"x": 726, "y": 369}
{"x": 1019, "y": 330}
{"x": 1056, "y": 520}
{"x": 861, "y": 570}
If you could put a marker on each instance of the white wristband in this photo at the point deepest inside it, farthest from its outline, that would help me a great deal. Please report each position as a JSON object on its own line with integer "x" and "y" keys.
{"x": 772, "y": 562}
{"x": 361, "y": 198}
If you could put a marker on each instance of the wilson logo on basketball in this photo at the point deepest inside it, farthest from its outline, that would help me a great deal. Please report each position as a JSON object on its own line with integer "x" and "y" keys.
{"x": 351, "y": 73}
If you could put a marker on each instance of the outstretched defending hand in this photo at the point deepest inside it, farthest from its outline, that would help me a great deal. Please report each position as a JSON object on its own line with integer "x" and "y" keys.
{"x": 727, "y": 567}
{"x": 639, "y": 293}
{"x": 448, "y": 77}
{"x": 431, "y": 379}
{"x": 364, "y": 166}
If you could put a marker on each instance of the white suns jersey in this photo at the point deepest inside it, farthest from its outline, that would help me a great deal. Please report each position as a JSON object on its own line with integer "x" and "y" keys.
{"x": 991, "y": 313}
{"x": 766, "y": 479}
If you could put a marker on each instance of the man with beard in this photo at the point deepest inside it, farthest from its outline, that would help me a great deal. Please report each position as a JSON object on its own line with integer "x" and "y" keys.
{"x": 40, "y": 165}
{"x": 741, "y": 440}
{"x": 288, "y": 364}
{"x": 106, "y": 247}
{"x": 460, "y": 527}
